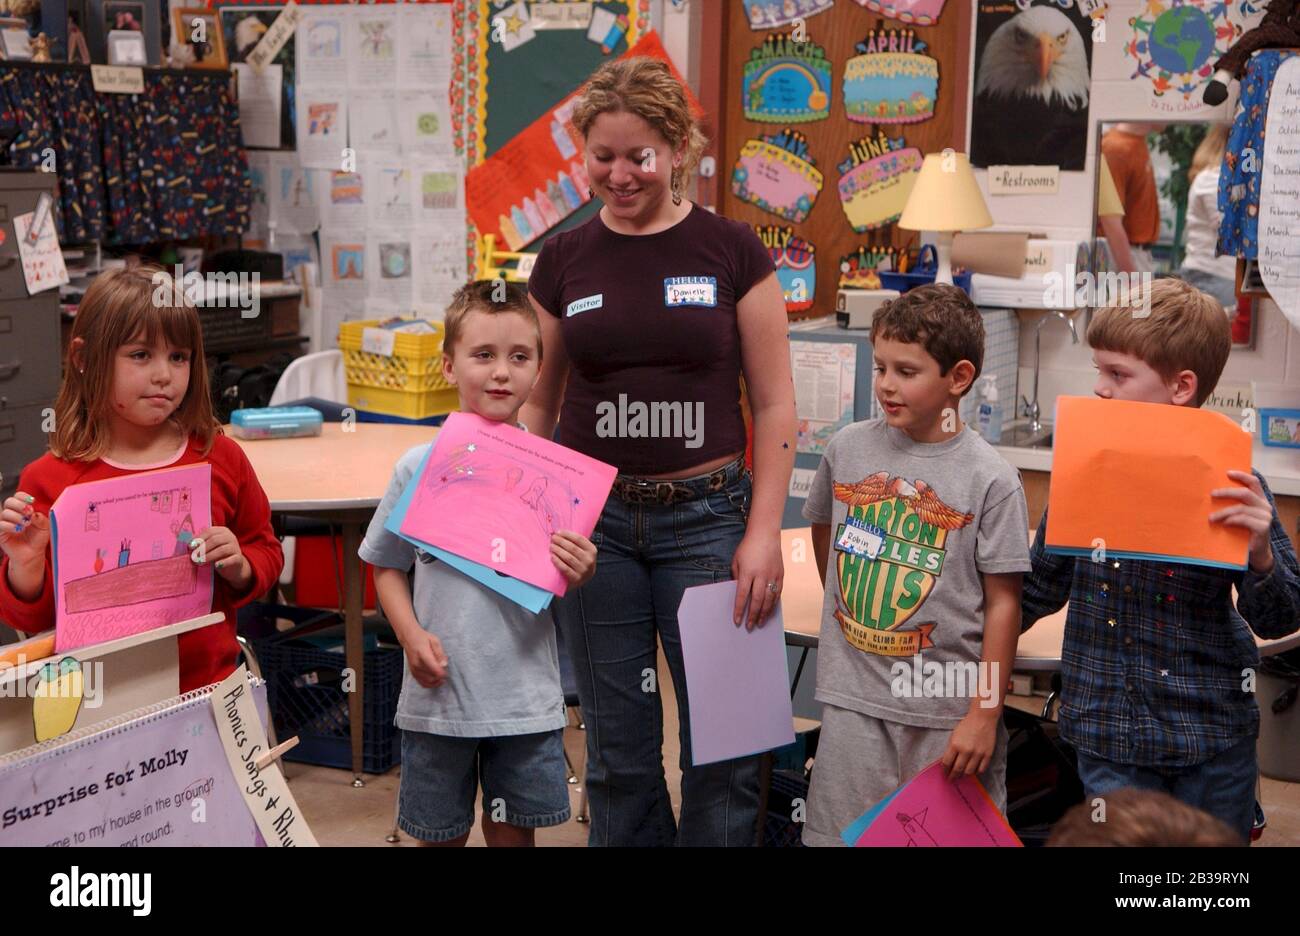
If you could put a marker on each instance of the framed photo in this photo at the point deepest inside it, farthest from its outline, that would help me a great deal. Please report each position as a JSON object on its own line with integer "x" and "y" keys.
{"x": 123, "y": 16}
{"x": 16, "y": 44}
{"x": 200, "y": 29}
{"x": 102, "y": 17}
{"x": 126, "y": 47}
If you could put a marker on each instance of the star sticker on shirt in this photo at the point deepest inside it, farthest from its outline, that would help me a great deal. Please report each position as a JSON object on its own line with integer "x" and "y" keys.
{"x": 1164, "y": 672}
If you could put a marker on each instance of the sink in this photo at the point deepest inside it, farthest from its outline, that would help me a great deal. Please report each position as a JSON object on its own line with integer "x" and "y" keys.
{"x": 1019, "y": 435}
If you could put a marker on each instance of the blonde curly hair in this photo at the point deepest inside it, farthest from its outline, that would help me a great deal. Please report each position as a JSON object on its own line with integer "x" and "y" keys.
{"x": 647, "y": 88}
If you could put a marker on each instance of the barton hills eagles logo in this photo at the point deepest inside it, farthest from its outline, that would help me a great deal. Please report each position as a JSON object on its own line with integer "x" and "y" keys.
{"x": 888, "y": 554}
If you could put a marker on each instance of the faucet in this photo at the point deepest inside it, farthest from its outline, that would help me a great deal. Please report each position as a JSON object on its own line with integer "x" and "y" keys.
{"x": 1032, "y": 410}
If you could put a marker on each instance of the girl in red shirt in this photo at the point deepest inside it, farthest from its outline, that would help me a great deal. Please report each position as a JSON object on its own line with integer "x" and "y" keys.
{"x": 135, "y": 398}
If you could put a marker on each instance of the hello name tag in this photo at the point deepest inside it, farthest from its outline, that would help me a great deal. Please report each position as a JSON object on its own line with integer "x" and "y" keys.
{"x": 860, "y": 539}
{"x": 691, "y": 291}
{"x": 583, "y": 305}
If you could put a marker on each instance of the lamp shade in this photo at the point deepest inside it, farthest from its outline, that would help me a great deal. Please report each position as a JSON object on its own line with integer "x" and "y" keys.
{"x": 945, "y": 197}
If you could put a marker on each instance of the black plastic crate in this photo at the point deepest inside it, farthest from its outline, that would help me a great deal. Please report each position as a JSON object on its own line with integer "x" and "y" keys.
{"x": 225, "y": 329}
{"x": 306, "y": 698}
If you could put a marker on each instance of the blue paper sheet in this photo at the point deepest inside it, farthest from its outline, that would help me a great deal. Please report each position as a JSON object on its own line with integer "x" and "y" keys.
{"x": 521, "y": 593}
{"x": 854, "y": 831}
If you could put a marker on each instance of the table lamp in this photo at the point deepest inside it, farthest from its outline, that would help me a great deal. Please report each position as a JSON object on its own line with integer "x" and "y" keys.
{"x": 945, "y": 198}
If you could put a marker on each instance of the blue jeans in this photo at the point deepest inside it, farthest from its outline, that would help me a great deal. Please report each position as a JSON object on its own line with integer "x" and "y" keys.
{"x": 1223, "y": 786}
{"x": 648, "y": 554}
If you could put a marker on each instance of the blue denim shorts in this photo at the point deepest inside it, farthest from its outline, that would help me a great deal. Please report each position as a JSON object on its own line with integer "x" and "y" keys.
{"x": 523, "y": 777}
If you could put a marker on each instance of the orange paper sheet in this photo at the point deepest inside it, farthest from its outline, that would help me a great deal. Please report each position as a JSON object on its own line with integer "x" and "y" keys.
{"x": 1137, "y": 477}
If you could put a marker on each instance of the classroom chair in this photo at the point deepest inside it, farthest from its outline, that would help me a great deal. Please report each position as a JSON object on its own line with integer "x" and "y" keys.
{"x": 318, "y": 375}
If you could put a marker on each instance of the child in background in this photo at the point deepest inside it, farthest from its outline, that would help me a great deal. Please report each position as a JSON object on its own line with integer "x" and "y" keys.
{"x": 135, "y": 398}
{"x": 1157, "y": 687}
{"x": 481, "y": 703}
{"x": 930, "y": 540}
{"x": 1129, "y": 818}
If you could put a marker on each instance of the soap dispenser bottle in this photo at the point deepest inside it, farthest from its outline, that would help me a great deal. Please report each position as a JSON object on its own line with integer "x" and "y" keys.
{"x": 989, "y": 419}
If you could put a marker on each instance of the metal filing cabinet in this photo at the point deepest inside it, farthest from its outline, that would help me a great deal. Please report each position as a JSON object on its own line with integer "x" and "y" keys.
{"x": 29, "y": 337}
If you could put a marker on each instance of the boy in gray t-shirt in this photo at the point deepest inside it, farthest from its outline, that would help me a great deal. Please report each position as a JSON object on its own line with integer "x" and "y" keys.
{"x": 481, "y": 703}
{"x": 921, "y": 535}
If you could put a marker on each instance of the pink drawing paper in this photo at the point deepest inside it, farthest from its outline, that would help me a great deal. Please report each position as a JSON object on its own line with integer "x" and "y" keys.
{"x": 737, "y": 680}
{"x": 122, "y": 561}
{"x": 494, "y": 494}
{"x": 931, "y": 811}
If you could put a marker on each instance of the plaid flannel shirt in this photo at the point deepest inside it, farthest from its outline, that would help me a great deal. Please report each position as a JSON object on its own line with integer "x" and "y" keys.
{"x": 1157, "y": 666}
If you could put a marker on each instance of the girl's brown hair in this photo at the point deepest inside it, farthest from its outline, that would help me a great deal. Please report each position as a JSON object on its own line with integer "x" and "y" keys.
{"x": 647, "y": 88}
{"x": 120, "y": 307}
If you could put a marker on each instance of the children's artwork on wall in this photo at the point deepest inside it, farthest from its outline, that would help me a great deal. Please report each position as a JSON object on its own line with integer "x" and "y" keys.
{"x": 912, "y": 12}
{"x": 107, "y": 583}
{"x": 348, "y": 261}
{"x": 795, "y": 267}
{"x": 766, "y": 14}
{"x": 322, "y": 129}
{"x": 787, "y": 81}
{"x": 858, "y": 269}
{"x": 891, "y": 79}
{"x": 1174, "y": 45}
{"x": 776, "y": 173}
{"x": 495, "y": 494}
{"x": 876, "y": 179}
{"x": 932, "y": 811}
{"x": 1032, "y": 81}
{"x": 319, "y": 47}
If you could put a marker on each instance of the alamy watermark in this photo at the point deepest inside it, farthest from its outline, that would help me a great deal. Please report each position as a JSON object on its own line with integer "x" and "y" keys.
{"x": 1094, "y": 290}
{"x": 209, "y": 290}
{"x": 657, "y": 420}
{"x": 952, "y": 679}
{"x": 66, "y": 679}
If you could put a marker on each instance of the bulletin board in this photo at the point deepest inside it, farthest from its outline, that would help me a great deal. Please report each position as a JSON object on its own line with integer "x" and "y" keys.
{"x": 497, "y": 92}
{"x": 809, "y": 225}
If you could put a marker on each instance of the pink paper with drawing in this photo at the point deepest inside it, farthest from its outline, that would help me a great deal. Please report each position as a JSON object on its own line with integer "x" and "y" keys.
{"x": 122, "y": 554}
{"x": 494, "y": 494}
{"x": 931, "y": 811}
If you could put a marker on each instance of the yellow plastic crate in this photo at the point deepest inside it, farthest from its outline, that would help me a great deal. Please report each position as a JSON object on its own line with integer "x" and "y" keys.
{"x": 404, "y": 403}
{"x": 415, "y": 365}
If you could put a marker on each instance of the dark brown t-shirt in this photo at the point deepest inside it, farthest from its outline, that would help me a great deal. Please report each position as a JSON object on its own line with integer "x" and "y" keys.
{"x": 649, "y": 326}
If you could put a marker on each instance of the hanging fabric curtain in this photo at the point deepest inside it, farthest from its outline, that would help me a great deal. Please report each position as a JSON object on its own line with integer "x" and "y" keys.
{"x": 167, "y": 164}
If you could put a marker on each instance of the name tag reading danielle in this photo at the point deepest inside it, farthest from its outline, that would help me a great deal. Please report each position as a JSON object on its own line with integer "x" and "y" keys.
{"x": 691, "y": 290}
{"x": 861, "y": 539}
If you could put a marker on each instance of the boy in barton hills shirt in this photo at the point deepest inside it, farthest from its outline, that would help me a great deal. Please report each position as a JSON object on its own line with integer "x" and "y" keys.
{"x": 1157, "y": 668}
{"x": 920, "y": 532}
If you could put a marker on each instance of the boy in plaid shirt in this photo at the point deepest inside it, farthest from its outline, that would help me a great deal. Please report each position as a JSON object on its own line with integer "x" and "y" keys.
{"x": 1157, "y": 668}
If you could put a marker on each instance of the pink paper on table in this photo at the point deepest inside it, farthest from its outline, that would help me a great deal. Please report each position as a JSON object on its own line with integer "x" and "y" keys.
{"x": 931, "y": 811}
{"x": 494, "y": 494}
{"x": 121, "y": 549}
{"x": 737, "y": 680}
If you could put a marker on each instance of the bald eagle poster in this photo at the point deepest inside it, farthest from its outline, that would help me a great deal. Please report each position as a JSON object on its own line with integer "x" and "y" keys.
{"x": 1030, "y": 91}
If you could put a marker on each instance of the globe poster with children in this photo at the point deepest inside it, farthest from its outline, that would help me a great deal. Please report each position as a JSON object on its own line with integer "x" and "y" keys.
{"x": 889, "y": 555}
